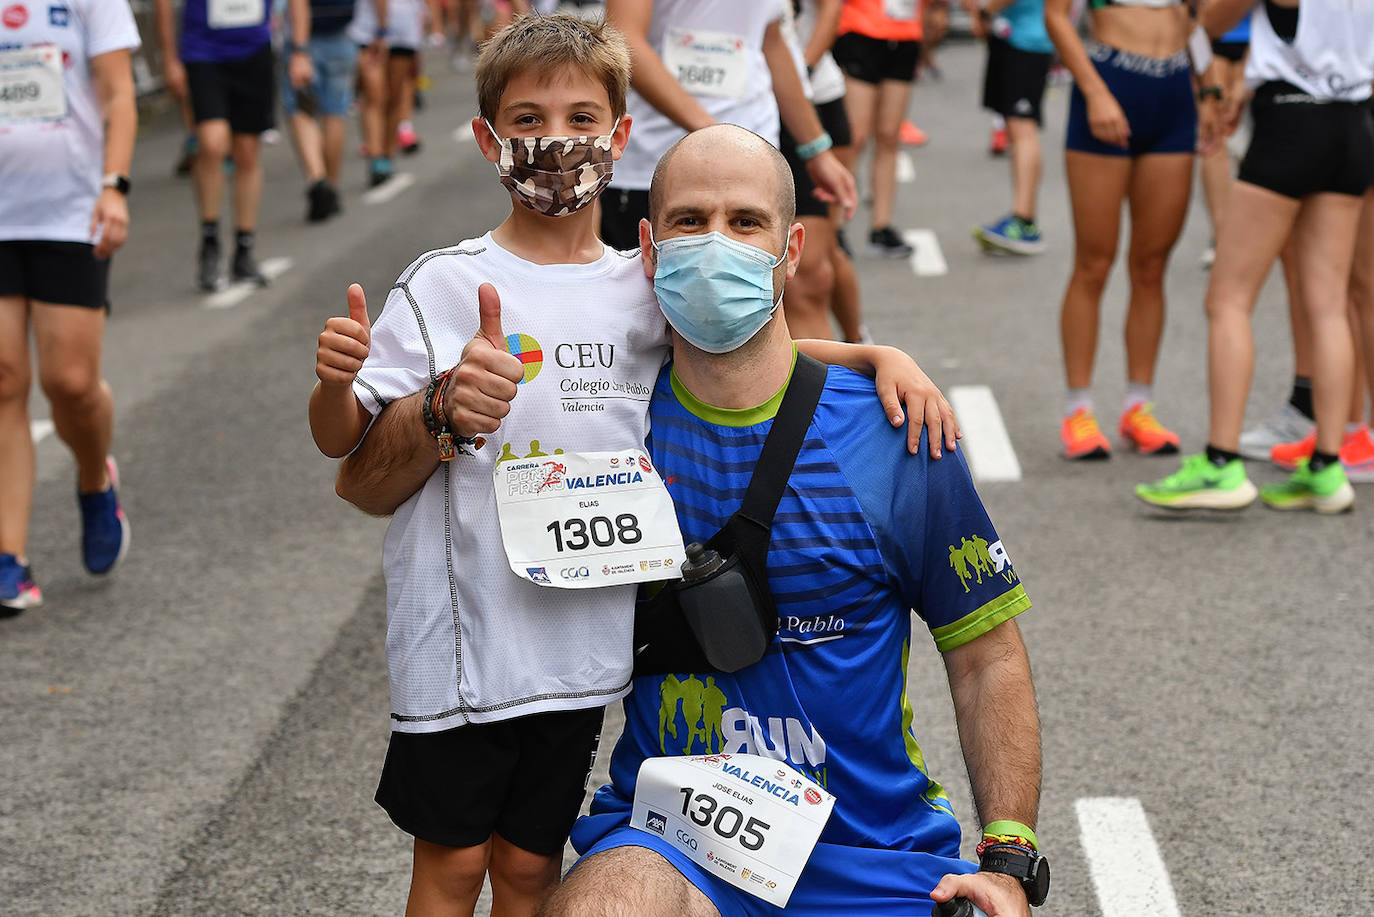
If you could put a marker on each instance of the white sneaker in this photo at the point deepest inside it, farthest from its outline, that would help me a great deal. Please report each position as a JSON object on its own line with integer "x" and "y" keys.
{"x": 1287, "y": 426}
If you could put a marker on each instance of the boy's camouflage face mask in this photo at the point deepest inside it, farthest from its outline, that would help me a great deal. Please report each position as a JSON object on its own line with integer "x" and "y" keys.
{"x": 555, "y": 176}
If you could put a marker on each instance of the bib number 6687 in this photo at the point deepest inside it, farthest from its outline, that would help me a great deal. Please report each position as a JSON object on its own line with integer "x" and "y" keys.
{"x": 726, "y": 821}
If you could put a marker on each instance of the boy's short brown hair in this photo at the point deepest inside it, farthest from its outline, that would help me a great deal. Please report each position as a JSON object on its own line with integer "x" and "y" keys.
{"x": 549, "y": 44}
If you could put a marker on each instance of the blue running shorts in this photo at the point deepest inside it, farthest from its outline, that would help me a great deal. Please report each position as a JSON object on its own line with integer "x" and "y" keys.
{"x": 1156, "y": 93}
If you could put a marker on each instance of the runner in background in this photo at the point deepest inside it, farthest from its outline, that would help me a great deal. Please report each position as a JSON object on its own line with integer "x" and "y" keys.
{"x": 878, "y": 47}
{"x": 64, "y": 164}
{"x": 387, "y": 68}
{"x": 1019, "y": 57}
{"x": 1133, "y": 127}
{"x": 224, "y": 65}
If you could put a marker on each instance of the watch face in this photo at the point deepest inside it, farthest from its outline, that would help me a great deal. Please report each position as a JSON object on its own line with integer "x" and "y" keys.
{"x": 1038, "y": 885}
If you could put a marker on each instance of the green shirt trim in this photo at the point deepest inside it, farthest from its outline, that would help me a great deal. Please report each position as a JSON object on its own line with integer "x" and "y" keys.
{"x": 731, "y": 417}
{"x": 976, "y": 623}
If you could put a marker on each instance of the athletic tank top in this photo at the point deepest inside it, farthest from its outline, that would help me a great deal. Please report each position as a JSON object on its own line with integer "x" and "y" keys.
{"x": 1331, "y": 56}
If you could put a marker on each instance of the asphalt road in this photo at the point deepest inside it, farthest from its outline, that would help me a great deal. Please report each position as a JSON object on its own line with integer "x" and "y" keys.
{"x": 201, "y": 732}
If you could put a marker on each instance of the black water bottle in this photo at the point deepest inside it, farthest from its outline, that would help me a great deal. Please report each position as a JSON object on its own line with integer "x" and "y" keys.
{"x": 956, "y": 907}
{"x": 701, "y": 562}
{"x": 718, "y": 606}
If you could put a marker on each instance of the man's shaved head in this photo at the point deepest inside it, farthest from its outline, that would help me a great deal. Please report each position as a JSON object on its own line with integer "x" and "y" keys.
{"x": 728, "y": 142}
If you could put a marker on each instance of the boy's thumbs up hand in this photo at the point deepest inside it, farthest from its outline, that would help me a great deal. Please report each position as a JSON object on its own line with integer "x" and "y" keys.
{"x": 344, "y": 343}
{"x": 486, "y": 379}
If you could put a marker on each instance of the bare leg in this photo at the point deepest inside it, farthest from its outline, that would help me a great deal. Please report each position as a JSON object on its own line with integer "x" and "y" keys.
{"x": 807, "y": 301}
{"x": 1160, "y": 187}
{"x": 892, "y": 100}
{"x": 1297, "y": 315}
{"x": 308, "y": 142}
{"x": 16, "y": 442}
{"x": 209, "y": 168}
{"x": 335, "y": 129}
{"x": 1097, "y": 186}
{"x": 844, "y": 300}
{"x": 597, "y": 888}
{"x": 1362, "y": 290}
{"x": 247, "y": 181}
{"x": 520, "y": 880}
{"x": 1324, "y": 236}
{"x": 400, "y": 82}
{"x": 1254, "y": 227}
{"x": 372, "y": 76}
{"x": 69, "y": 341}
{"x": 446, "y": 881}
{"x": 1025, "y": 166}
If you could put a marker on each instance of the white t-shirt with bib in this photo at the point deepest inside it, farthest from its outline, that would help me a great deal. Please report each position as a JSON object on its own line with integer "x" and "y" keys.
{"x": 715, "y": 49}
{"x": 51, "y": 162}
{"x": 404, "y": 23}
{"x": 467, "y": 640}
{"x": 1331, "y": 57}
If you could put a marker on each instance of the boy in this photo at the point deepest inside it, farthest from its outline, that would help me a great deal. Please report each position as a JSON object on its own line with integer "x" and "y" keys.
{"x": 498, "y": 681}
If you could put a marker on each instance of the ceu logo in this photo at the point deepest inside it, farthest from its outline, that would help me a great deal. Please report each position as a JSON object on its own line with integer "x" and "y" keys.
{"x": 529, "y": 352}
{"x": 685, "y": 839}
{"x": 973, "y": 559}
{"x": 575, "y": 573}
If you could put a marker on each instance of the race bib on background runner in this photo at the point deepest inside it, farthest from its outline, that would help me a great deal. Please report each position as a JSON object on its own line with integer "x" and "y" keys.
{"x": 746, "y": 819}
{"x": 899, "y": 9}
{"x": 708, "y": 63}
{"x": 236, "y": 14}
{"x": 31, "y": 86}
{"x": 580, "y": 520}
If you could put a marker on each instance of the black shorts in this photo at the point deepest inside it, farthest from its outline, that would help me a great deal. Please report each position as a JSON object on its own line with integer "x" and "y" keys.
{"x": 835, "y": 122}
{"x": 873, "y": 60}
{"x": 522, "y": 779}
{"x": 1302, "y": 146}
{"x": 1233, "y": 51}
{"x": 1014, "y": 82}
{"x": 621, "y": 211}
{"x": 243, "y": 92}
{"x": 61, "y": 273}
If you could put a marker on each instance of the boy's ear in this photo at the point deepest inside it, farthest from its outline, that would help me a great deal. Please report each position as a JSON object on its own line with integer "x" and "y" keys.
{"x": 489, "y": 145}
{"x": 620, "y": 136}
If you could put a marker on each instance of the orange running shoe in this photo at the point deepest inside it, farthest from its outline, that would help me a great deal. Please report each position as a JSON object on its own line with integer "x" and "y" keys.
{"x": 997, "y": 146}
{"x": 911, "y": 135}
{"x": 1357, "y": 454}
{"x": 1147, "y": 434}
{"x": 1082, "y": 436}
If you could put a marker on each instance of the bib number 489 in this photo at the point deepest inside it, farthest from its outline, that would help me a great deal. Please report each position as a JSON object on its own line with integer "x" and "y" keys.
{"x": 575, "y": 534}
{"x": 726, "y": 821}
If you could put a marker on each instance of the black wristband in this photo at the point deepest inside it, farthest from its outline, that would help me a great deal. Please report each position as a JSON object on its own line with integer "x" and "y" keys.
{"x": 1209, "y": 92}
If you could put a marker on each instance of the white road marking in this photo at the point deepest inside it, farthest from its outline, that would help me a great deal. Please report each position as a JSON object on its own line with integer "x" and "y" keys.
{"x": 927, "y": 260}
{"x": 1127, "y": 870}
{"x": 389, "y": 188}
{"x": 40, "y": 430}
{"x": 237, "y": 292}
{"x": 986, "y": 446}
{"x": 906, "y": 167}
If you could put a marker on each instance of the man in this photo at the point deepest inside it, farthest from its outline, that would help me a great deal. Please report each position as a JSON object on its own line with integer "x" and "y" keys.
{"x": 863, "y": 533}
{"x": 224, "y": 65}
{"x": 702, "y": 62}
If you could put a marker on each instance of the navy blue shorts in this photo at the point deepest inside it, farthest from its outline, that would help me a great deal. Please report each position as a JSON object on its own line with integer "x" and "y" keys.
{"x": 1156, "y": 93}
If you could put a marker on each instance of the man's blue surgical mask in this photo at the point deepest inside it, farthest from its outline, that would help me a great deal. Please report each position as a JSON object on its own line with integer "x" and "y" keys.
{"x": 715, "y": 292}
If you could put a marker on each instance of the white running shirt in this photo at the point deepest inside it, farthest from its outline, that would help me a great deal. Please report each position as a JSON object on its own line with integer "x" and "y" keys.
{"x": 827, "y": 79}
{"x": 1331, "y": 58}
{"x": 50, "y": 168}
{"x": 468, "y": 641}
{"x": 754, "y": 107}
{"x": 404, "y": 23}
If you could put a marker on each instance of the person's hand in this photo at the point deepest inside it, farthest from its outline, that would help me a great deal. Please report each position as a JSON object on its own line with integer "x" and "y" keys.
{"x": 344, "y": 343}
{"x": 977, "y": 24}
{"x": 1233, "y": 104}
{"x": 111, "y": 218}
{"x": 997, "y": 895}
{"x": 1209, "y": 132}
{"x": 834, "y": 184}
{"x": 487, "y": 378}
{"x": 1107, "y": 121}
{"x": 899, "y": 382}
{"x": 301, "y": 70}
{"x": 174, "y": 78}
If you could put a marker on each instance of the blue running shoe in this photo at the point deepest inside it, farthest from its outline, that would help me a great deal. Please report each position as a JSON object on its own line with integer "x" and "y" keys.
{"x": 104, "y": 530}
{"x": 17, "y": 589}
{"x": 1011, "y": 234}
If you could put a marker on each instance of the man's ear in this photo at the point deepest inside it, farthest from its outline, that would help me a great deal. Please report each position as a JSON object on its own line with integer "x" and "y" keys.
{"x": 795, "y": 240}
{"x": 646, "y": 248}
{"x": 620, "y": 136}
{"x": 486, "y": 142}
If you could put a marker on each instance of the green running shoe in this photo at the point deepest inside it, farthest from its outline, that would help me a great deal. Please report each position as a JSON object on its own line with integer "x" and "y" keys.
{"x": 1201, "y": 485}
{"x": 1326, "y": 491}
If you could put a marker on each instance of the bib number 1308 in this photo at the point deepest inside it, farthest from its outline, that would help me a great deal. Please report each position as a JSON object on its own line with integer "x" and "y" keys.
{"x": 726, "y": 821}
{"x": 576, "y": 533}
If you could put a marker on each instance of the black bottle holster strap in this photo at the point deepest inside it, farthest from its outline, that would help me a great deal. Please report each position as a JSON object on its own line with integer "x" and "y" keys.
{"x": 726, "y": 620}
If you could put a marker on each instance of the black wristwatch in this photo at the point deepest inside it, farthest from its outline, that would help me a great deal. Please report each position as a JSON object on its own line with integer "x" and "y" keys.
{"x": 1030, "y": 869}
{"x": 118, "y": 182}
{"x": 299, "y": 49}
{"x": 1209, "y": 92}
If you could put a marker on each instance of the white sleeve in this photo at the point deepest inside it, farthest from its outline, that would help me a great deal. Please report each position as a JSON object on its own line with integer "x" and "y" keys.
{"x": 398, "y": 361}
{"x": 109, "y": 26}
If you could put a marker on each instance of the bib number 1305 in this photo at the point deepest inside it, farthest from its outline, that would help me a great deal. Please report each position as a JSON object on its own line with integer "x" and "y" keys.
{"x": 725, "y": 821}
{"x": 576, "y": 533}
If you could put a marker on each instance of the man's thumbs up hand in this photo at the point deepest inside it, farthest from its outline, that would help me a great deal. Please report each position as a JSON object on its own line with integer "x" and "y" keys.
{"x": 487, "y": 378}
{"x": 344, "y": 342}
